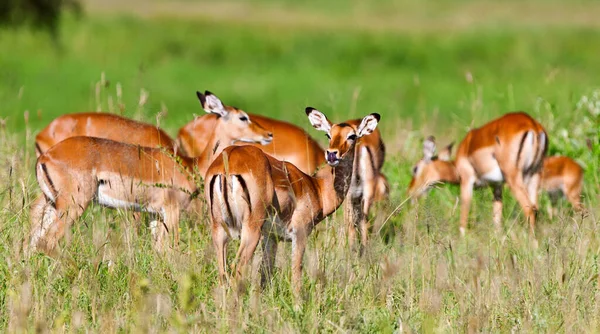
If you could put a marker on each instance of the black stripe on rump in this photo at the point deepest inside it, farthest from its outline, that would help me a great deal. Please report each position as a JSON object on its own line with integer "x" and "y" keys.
{"x": 521, "y": 147}
{"x": 50, "y": 183}
{"x": 211, "y": 191}
{"x": 246, "y": 191}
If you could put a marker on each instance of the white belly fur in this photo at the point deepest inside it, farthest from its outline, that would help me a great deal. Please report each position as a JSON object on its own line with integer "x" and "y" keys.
{"x": 494, "y": 175}
{"x": 111, "y": 202}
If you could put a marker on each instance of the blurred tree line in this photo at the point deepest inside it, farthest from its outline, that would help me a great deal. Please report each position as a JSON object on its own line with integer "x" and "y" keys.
{"x": 39, "y": 14}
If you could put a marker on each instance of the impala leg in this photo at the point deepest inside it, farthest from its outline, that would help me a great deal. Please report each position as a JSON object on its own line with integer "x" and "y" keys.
{"x": 350, "y": 218}
{"x": 497, "y": 206}
{"x": 220, "y": 239}
{"x": 56, "y": 220}
{"x": 249, "y": 239}
{"x": 517, "y": 186}
{"x": 533, "y": 186}
{"x": 574, "y": 196}
{"x": 466, "y": 195}
{"x": 364, "y": 221}
{"x": 299, "y": 237}
{"x": 269, "y": 254}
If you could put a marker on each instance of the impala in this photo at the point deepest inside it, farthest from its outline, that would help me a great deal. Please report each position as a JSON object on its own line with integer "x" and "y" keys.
{"x": 509, "y": 149}
{"x": 252, "y": 194}
{"x": 563, "y": 175}
{"x": 101, "y": 125}
{"x": 292, "y": 144}
{"x": 78, "y": 170}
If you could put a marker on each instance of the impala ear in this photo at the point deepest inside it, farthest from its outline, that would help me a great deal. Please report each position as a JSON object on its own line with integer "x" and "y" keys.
{"x": 318, "y": 120}
{"x": 446, "y": 153}
{"x": 211, "y": 103}
{"x": 428, "y": 148}
{"x": 368, "y": 125}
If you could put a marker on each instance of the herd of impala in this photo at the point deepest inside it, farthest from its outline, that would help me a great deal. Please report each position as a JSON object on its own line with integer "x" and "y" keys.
{"x": 268, "y": 178}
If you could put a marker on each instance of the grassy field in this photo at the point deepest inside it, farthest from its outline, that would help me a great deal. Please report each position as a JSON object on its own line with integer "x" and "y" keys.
{"x": 427, "y": 67}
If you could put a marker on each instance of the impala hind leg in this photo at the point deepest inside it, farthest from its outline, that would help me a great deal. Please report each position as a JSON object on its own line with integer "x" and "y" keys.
{"x": 366, "y": 203}
{"x": 56, "y": 219}
{"x": 249, "y": 239}
{"x": 220, "y": 238}
{"x": 165, "y": 232}
{"x": 269, "y": 254}
{"x": 516, "y": 184}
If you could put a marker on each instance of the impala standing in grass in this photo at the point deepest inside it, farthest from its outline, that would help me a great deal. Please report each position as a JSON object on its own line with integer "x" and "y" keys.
{"x": 509, "y": 149}
{"x": 252, "y": 194}
{"x": 79, "y": 170}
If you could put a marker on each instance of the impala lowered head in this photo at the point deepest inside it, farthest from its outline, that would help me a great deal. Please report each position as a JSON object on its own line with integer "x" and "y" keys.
{"x": 431, "y": 169}
{"x": 238, "y": 123}
{"x": 342, "y": 136}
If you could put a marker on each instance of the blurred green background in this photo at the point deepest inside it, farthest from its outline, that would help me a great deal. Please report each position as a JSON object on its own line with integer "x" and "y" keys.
{"x": 440, "y": 64}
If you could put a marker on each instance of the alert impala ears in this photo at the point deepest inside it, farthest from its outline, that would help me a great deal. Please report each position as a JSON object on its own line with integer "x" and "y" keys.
{"x": 211, "y": 103}
{"x": 318, "y": 120}
{"x": 428, "y": 148}
{"x": 446, "y": 153}
{"x": 368, "y": 125}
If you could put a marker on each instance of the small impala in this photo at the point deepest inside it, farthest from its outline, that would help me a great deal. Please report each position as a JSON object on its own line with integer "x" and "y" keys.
{"x": 562, "y": 175}
{"x": 252, "y": 194}
{"x": 509, "y": 149}
{"x": 79, "y": 170}
{"x": 292, "y": 144}
{"x": 101, "y": 125}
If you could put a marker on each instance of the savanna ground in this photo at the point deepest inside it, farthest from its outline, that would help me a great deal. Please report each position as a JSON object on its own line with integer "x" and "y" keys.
{"x": 427, "y": 67}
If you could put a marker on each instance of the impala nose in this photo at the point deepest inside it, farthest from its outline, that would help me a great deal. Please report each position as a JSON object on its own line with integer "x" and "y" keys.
{"x": 270, "y": 134}
{"x": 331, "y": 157}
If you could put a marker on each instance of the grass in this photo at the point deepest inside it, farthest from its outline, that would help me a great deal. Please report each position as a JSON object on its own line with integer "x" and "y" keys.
{"x": 418, "y": 275}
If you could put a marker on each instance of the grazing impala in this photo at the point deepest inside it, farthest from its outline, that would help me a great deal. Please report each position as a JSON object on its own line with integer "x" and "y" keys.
{"x": 101, "y": 125}
{"x": 560, "y": 175}
{"x": 294, "y": 145}
{"x": 252, "y": 194}
{"x": 563, "y": 175}
{"x": 78, "y": 170}
{"x": 509, "y": 149}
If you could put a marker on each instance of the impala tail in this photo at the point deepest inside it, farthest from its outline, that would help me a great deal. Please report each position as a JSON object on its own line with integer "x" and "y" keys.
{"x": 234, "y": 195}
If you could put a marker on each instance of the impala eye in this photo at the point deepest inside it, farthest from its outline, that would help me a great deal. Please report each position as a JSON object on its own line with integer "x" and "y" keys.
{"x": 244, "y": 119}
{"x": 415, "y": 170}
{"x": 352, "y": 137}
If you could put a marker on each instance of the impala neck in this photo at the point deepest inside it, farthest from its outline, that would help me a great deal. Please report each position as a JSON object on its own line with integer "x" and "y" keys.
{"x": 218, "y": 141}
{"x": 334, "y": 182}
{"x": 447, "y": 171}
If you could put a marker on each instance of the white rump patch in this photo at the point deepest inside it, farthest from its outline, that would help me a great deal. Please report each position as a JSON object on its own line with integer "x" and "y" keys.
{"x": 494, "y": 175}
{"x": 527, "y": 154}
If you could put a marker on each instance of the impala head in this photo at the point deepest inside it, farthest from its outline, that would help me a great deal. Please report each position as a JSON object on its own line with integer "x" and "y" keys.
{"x": 238, "y": 125}
{"x": 342, "y": 136}
{"x": 431, "y": 168}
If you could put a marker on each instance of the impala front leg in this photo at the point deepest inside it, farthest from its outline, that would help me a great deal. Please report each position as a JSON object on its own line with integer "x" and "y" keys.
{"x": 497, "y": 206}
{"x": 466, "y": 194}
{"x": 299, "y": 236}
